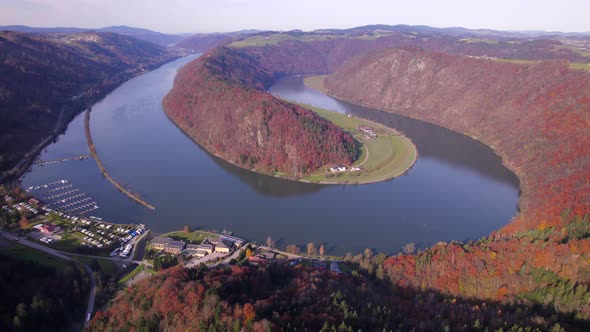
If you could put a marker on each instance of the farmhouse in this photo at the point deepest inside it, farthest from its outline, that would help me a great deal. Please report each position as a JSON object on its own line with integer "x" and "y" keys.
{"x": 337, "y": 169}
{"x": 369, "y": 133}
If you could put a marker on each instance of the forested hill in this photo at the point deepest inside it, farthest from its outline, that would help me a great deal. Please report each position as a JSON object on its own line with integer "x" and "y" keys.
{"x": 155, "y": 37}
{"x": 218, "y": 101}
{"x": 41, "y": 74}
{"x": 535, "y": 115}
{"x": 279, "y": 297}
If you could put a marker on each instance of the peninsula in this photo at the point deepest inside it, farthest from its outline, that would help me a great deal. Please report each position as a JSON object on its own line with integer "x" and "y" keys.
{"x": 219, "y": 101}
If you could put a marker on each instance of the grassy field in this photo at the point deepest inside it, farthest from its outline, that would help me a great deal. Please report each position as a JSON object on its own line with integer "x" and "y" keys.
{"x": 192, "y": 237}
{"x": 274, "y": 39}
{"x": 70, "y": 242}
{"x": 480, "y": 40}
{"x": 107, "y": 266}
{"x": 573, "y": 65}
{"x": 316, "y": 82}
{"x": 374, "y": 36}
{"x": 21, "y": 252}
{"x": 387, "y": 156}
{"x": 582, "y": 66}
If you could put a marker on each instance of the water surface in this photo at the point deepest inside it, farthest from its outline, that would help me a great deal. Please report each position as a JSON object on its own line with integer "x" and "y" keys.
{"x": 457, "y": 190}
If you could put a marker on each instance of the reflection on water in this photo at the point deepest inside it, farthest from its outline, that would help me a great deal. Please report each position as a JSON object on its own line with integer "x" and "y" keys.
{"x": 456, "y": 190}
{"x": 268, "y": 185}
{"x": 431, "y": 140}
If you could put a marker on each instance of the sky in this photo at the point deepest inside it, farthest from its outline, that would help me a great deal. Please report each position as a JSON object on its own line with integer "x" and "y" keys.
{"x": 203, "y": 16}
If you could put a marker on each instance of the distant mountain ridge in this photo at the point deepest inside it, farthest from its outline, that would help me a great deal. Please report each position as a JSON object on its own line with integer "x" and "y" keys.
{"x": 454, "y": 31}
{"x": 155, "y": 37}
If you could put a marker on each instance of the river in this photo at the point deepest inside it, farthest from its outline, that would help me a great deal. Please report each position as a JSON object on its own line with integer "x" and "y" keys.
{"x": 457, "y": 190}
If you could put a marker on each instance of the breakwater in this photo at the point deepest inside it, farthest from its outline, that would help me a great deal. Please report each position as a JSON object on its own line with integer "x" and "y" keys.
{"x": 104, "y": 172}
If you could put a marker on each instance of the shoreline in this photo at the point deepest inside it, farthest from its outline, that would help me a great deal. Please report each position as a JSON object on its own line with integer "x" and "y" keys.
{"x": 314, "y": 84}
{"x": 302, "y": 180}
{"x": 101, "y": 167}
{"x": 15, "y": 174}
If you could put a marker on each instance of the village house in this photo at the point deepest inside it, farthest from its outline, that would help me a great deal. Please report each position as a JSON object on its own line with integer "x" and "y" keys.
{"x": 224, "y": 246}
{"x": 34, "y": 202}
{"x": 167, "y": 245}
{"x": 208, "y": 248}
{"x": 199, "y": 250}
{"x": 210, "y": 241}
{"x": 337, "y": 169}
{"x": 238, "y": 242}
{"x": 255, "y": 260}
{"x": 48, "y": 228}
{"x": 369, "y": 133}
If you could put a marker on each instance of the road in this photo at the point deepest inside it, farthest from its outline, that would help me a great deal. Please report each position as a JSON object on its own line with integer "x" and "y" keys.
{"x": 234, "y": 255}
{"x": 91, "y": 296}
{"x": 295, "y": 256}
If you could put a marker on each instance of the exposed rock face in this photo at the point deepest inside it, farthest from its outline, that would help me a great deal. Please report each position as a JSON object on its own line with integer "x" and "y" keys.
{"x": 535, "y": 116}
{"x": 215, "y": 100}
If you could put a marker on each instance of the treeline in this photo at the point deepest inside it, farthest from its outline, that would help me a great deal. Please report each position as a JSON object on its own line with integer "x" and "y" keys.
{"x": 213, "y": 102}
{"x": 37, "y": 297}
{"x": 279, "y": 297}
{"x": 534, "y": 116}
{"x": 546, "y": 267}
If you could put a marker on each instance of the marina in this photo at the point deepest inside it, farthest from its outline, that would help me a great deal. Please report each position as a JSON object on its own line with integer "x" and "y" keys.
{"x": 63, "y": 196}
{"x": 455, "y": 176}
{"x": 56, "y": 161}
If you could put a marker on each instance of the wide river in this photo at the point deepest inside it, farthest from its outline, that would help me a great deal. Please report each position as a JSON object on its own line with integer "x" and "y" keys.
{"x": 457, "y": 190}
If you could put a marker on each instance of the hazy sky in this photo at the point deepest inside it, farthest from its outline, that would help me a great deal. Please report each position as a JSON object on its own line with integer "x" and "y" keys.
{"x": 229, "y": 15}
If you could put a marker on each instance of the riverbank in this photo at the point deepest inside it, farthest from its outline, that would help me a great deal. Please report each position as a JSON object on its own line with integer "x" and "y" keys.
{"x": 385, "y": 152}
{"x": 104, "y": 172}
{"x": 389, "y": 155}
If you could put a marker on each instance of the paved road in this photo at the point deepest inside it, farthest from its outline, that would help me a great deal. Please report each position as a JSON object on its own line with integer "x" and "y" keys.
{"x": 226, "y": 260}
{"x": 91, "y": 297}
{"x": 294, "y": 256}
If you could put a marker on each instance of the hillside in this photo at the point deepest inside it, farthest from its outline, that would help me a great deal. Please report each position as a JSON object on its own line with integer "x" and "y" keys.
{"x": 40, "y": 292}
{"x": 289, "y": 54}
{"x": 282, "y": 298}
{"x": 214, "y": 101}
{"x": 532, "y": 115}
{"x": 41, "y": 75}
{"x": 535, "y": 115}
{"x": 201, "y": 43}
{"x": 162, "y": 39}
